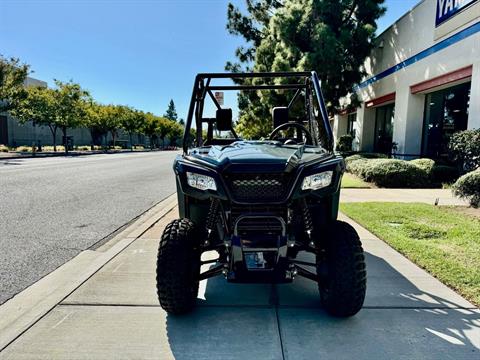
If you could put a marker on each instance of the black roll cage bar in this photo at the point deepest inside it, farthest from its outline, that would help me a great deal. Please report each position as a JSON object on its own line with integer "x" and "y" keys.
{"x": 202, "y": 87}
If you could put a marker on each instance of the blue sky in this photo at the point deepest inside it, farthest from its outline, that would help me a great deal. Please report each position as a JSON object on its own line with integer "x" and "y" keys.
{"x": 136, "y": 52}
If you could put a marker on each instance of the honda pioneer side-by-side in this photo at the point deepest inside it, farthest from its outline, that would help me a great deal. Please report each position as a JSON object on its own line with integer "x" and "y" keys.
{"x": 261, "y": 205}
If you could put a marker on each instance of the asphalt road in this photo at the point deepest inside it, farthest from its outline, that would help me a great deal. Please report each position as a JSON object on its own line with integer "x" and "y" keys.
{"x": 53, "y": 208}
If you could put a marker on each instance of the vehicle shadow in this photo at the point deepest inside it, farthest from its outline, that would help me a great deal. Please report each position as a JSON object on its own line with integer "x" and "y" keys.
{"x": 234, "y": 321}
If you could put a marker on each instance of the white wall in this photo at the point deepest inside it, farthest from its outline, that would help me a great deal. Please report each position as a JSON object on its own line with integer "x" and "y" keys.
{"x": 411, "y": 34}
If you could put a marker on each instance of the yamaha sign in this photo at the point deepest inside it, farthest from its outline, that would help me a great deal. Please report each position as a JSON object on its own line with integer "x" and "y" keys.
{"x": 446, "y": 9}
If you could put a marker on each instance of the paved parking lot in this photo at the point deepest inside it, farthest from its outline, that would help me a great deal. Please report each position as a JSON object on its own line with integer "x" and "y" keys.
{"x": 115, "y": 315}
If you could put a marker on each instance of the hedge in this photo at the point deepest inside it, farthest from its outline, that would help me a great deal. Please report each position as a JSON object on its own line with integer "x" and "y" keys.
{"x": 363, "y": 156}
{"x": 389, "y": 173}
{"x": 468, "y": 187}
{"x": 424, "y": 164}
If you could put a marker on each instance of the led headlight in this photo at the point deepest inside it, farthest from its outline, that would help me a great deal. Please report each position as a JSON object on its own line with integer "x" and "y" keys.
{"x": 317, "y": 181}
{"x": 201, "y": 182}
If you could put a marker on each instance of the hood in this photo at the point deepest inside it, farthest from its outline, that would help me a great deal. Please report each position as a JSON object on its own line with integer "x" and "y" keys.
{"x": 258, "y": 154}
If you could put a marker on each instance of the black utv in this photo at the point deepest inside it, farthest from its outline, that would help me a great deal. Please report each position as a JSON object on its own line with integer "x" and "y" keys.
{"x": 261, "y": 203}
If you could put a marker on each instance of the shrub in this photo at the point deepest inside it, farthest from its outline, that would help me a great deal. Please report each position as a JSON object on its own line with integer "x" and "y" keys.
{"x": 468, "y": 187}
{"x": 24, "y": 148}
{"x": 396, "y": 173}
{"x": 464, "y": 147}
{"x": 344, "y": 143}
{"x": 3, "y": 148}
{"x": 390, "y": 173}
{"x": 424, "y": 164}
{"x": 363, "y": 156}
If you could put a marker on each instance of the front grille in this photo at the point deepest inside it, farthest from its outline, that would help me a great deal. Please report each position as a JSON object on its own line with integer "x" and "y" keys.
{"x": 258, "y": 187}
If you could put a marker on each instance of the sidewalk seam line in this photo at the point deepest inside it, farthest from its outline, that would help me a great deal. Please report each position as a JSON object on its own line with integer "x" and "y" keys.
{"x": 274, "y": 299}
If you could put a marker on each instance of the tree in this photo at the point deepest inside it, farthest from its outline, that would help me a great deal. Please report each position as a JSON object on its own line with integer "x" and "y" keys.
{"x": 252, "y": 27}
{"x": 12, "y": 79}
{"x": 164, "y": 128}
{"x": 94, "y": 120}
{"x": 39, "y": 106}
{"x": 132, "y": 121}
{"x": 112, "y": 116}
{"x": 171, "y": 112}
{"x": 62, "y": 107}
{"x": 332, "y": 37}
{"x": 151, "y": 127}
{"x": 176, "y": 131}
{"x": 69, "y": 100}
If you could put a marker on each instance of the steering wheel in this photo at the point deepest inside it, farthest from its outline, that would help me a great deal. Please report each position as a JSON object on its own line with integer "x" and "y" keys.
{"x": 308, "y": 135}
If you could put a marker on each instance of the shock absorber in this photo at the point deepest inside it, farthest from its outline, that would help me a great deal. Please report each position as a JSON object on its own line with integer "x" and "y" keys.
{"x": 307, "y": 222}
{"x": 211, "y": 219}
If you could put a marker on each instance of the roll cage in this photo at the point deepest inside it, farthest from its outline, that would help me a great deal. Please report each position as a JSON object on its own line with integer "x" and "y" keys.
{"x": 310, "y": 86}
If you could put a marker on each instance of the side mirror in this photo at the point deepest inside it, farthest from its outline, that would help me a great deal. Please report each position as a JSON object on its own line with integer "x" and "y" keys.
{"x": 224, "y": 119}
{"x": 279, "y": 116}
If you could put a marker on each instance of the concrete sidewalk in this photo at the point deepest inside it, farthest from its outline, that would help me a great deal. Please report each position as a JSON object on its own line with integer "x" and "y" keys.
{"x": 114, "y": 314}
{"x": 428, "y": 196}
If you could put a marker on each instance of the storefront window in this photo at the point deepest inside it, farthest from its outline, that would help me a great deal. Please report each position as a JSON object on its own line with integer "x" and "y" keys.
{"x": 384, "y": 128}
{"x": 446, "y": 111}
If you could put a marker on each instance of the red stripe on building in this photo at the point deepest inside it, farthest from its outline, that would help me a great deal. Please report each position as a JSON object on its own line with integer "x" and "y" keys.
{"x": 456, "y": 75}
{"x": 380, "y": 100}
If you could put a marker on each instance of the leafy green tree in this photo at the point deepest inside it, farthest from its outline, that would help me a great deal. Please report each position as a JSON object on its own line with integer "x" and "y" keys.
{"x": 164, "y": 129}
{"x": 132, "y": 121}
{"x": 59, "y": 108}
{"x": 70, "y": 101}
{"x": 332, "y": 37}
{"x": 171, "y": 112}
{"x": 12, "y": 78}
{"x": 151, "y": 127}
{"x": 112, "y": 120}
{"x": 94, "y": 120}
{"x": 176, "y": 131}
{"x": 39, "y": 106}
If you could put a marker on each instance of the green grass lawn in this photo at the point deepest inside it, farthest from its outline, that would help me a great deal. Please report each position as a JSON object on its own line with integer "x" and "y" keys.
{"x": 351, "y": 181}
{"x": 442, "y": 240}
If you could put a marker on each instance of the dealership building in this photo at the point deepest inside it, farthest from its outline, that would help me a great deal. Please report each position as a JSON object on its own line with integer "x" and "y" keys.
{"x": 423, "y": 82}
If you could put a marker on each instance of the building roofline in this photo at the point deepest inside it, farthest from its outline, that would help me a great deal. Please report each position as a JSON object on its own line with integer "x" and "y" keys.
{"x": 400, "y": 18}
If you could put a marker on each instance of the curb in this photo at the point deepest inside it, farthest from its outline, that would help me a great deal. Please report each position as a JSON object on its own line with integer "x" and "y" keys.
{"x": 22, "y": 311}
{"x": 75, "y": 154}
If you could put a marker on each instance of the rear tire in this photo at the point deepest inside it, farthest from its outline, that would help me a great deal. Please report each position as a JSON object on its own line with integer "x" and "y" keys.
{"x": 178, "y": 267}
{"x": 343, "y": 288}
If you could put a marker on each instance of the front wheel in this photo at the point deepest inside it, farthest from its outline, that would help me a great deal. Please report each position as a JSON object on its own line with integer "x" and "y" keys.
{"x": 178, "y": 267}
{"x": 343, "y": 286}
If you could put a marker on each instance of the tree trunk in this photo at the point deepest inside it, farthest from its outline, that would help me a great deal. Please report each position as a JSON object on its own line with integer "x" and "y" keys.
{"x": 131, "y": 141}
{"x": 53, "y": 130}
{"x": 65, "y": 140}
{"x": 151, "y": 142}
{"x": 113, "y": 138}
{"x": 93, "y": 140}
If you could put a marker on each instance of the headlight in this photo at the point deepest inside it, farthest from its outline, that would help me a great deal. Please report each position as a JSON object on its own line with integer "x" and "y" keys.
{"x": 317, "y": 181}
{"x": 202, "y": 182}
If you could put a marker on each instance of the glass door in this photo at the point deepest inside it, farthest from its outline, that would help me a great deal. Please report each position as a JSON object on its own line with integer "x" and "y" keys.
{"x": 384, "y": 116}
{"x": 446, "y": 112}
